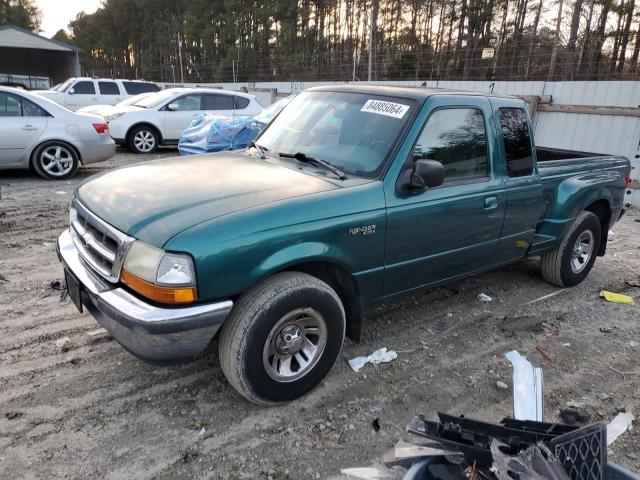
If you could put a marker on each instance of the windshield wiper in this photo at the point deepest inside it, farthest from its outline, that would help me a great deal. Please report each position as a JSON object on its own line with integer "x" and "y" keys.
{"x": 301, "y": 157}
{"x": 260, "y": 148}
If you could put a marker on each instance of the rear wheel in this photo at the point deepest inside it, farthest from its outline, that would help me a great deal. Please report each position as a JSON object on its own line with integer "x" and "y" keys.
{"x": 572, "y": 261}
{"x": 143, "y": 139}
{"x": 55, "y": 160}
{"x": 282, "y": 338}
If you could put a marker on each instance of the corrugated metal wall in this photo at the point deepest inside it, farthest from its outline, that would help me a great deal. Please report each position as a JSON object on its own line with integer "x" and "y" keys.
{"x": 593, "y": 133}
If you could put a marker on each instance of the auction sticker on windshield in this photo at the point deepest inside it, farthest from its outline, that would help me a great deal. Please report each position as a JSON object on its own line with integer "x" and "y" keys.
{"x": 390, "y": 109}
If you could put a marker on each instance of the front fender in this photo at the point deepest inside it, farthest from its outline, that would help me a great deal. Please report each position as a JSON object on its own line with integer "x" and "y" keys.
{"x": 300, "y": 253}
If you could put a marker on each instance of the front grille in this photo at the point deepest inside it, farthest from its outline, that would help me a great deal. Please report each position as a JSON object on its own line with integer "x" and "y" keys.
{"x": 100, "y": 245}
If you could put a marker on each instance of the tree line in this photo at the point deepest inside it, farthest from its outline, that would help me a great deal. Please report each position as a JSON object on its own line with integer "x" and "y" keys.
{"x": 251, "y": 40}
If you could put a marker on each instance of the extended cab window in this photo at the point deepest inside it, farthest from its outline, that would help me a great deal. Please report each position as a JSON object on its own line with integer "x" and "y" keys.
{"x": 457, "y": 138}
{"x": 84, "y": 88}
{"x": 517, "y": 142}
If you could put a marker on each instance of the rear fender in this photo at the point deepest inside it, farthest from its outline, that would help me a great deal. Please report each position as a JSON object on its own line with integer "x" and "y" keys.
{"x": 574, "y": 195}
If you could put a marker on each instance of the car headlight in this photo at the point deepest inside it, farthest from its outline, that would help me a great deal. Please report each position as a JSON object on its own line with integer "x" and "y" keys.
{"x": 158, "y": 275}
{"x": 113, "y": 116}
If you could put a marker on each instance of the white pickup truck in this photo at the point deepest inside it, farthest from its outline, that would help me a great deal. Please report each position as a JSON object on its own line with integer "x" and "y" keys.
{"x": 76, "y": 93}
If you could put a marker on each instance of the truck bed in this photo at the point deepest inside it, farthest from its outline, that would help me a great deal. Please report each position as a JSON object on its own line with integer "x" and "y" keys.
{"x": 555, "y": 164}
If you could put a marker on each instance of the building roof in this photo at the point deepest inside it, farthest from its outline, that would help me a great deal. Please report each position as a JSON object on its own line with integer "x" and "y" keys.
{"x": 16, "y": 37}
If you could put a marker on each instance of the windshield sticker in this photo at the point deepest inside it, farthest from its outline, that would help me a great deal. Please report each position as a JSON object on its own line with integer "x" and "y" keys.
{"x": 390, "y": 109}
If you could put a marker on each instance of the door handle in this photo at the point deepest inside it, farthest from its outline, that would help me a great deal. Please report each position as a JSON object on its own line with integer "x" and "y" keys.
{"x": 29, "y": 128}
{"x": 490, "y": 203}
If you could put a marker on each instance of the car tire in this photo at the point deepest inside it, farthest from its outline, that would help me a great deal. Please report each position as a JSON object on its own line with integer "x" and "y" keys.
{"x": 572, "y": 261}
{"x": 282, "y": 338}
{"x": 55, "y": 160}
{"x": 143, "y": 139}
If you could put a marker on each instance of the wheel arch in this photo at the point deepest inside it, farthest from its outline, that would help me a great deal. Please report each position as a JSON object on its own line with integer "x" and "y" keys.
{"x": 144, "y": 124}
{"x": 602, "y": 209}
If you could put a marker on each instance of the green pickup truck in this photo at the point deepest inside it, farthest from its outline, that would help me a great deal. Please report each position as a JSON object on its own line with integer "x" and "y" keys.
{"x": 351, "y": 197}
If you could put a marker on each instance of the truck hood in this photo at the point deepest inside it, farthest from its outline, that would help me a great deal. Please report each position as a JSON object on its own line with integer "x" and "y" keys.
{"x": 156, "y": 200}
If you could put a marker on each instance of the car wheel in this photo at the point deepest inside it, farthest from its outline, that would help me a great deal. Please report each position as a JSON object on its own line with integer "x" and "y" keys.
{"x": 282, "y": 338}
{"x": 55, "y": 160}
{"x": 572, "y": 261}
{"x": 143, "y": 139}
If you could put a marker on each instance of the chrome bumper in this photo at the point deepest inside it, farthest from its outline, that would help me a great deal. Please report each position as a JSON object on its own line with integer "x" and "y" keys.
{"x": 154, "y": 334}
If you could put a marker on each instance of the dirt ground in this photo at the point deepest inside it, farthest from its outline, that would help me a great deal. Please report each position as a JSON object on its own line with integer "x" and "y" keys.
{"x": 95, "y": 411}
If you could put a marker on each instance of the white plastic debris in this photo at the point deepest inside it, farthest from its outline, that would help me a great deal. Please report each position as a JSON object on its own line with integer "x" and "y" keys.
{"x": 528, "y": 389}
{"x": 368, "y": 473}
{"x": 96, "y": 332}
{"x": 484, "y": 298}
{"x": 621, "y": 423}
{"x": 379, "y": 356}
{"x": 201, "y": 432}
{"x": 61, "y": 192}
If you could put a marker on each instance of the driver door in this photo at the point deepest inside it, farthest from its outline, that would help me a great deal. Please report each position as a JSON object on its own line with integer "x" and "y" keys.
{"x": 454, "y": 229}
{"x": 187, "y": 107}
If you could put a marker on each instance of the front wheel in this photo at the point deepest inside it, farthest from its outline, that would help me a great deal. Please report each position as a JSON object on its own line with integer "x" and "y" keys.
{"x": 143, "y": 139}
{"x": 572, "y": 261}
{"x": 282, "y": 338}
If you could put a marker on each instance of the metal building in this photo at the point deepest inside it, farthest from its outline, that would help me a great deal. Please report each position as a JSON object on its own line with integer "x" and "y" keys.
{"x": 33, "y": 60}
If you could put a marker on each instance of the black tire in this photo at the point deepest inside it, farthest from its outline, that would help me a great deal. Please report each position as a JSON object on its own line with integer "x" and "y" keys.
{"x": 247, "y": 333}
{"x": 556, "y": 265}
{"x": 143, "y": 139}
{"x": 55, "y": 160}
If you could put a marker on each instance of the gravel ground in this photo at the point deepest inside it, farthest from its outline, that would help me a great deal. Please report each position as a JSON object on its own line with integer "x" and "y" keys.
{"x": 95, "y": 411}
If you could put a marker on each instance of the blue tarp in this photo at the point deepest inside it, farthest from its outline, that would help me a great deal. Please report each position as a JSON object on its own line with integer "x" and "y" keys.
{"x": 215, "y": 133}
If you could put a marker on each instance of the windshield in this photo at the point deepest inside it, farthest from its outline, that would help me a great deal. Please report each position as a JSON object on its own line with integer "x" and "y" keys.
{"x": 62, "y": 87}
{"x": 352, "y": 131}
{"x": 156, "y": 99}
{"x": 134, "y": 100}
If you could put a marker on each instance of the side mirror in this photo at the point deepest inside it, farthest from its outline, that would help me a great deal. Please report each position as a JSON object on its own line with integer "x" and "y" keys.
{"x": 172, "y": 107}
{"x": 71, "y": 91}
{"x": 424, "y": 174}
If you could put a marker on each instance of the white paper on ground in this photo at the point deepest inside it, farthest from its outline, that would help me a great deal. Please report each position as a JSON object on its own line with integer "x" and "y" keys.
{"x": 620, "y": 424}
{"x": 381, "y": 355}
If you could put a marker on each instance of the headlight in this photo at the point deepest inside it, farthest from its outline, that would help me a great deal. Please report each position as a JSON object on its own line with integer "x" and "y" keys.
{"x": 163, "y": 277}
{"x": 113, "y": 116}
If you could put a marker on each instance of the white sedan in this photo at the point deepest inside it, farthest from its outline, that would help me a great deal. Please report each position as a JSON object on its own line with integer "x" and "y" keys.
{"x": 39, "y": 133}
{"x": 160, "y": 119}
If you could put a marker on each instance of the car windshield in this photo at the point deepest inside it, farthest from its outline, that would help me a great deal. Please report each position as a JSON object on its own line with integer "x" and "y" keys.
{"x": 352, "y": 131}
{"x": 62, "y": 87}
{"x": 133, "y": 100}
{"x": 156, "y": 99}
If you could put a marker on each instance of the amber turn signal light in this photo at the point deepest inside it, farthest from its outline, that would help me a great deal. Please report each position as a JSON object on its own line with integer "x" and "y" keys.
{"x": 158, "y": 293}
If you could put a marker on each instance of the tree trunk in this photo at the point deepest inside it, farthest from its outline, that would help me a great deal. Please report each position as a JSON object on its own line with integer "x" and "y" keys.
{"x": 573, "y": 37}
{"x": 625, "y": 34}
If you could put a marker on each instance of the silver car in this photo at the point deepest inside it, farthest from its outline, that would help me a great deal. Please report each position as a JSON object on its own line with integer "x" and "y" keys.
{"x": 36, "y": 132}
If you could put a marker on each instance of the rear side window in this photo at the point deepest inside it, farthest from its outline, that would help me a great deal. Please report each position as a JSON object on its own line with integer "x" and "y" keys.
{"x": 108, "y": 88}
{"x": 517, "y": 142}
{"x": 136, "y": 88}
{"x": 84, "y": 88}
{"x": 457, "y": 138}
{"x": 218, "y": 102}
{"x": 30, "y": 109}
{"x": 241, "y": 102}
{"x": 10, "y": 105}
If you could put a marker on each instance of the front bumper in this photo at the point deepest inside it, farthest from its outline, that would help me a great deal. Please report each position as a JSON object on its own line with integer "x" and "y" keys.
{"x": 154, "y": 334}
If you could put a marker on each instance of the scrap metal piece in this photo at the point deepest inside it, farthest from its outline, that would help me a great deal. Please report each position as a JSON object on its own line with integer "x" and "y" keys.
{"x": 528, "y": 391}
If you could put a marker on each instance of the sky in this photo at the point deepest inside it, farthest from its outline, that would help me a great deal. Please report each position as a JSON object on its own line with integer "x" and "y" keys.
{"x": 57, "y": 14}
